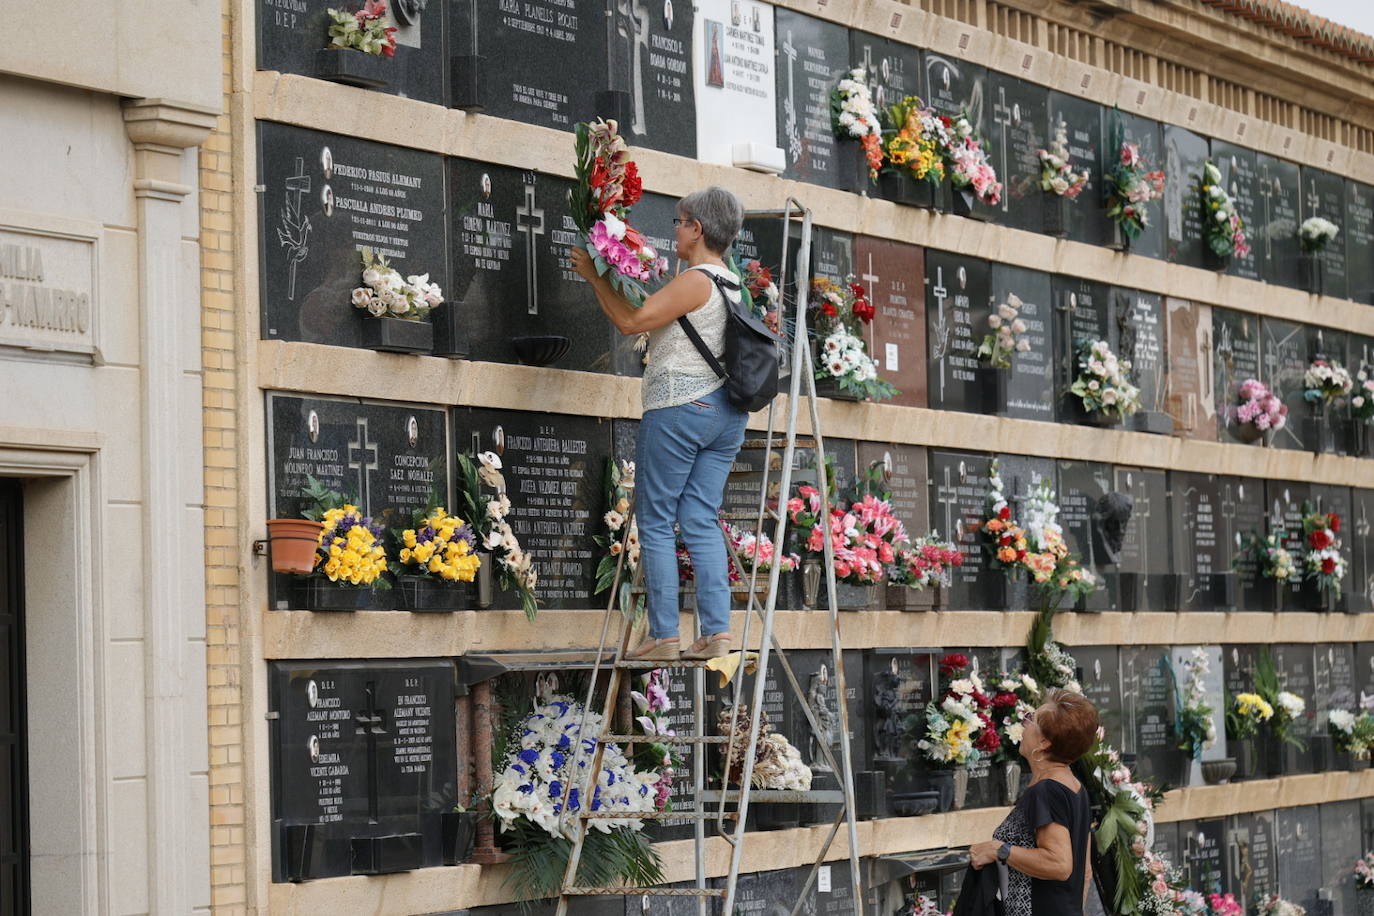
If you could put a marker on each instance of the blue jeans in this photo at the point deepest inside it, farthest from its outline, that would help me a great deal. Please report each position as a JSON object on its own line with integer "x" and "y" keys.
{"x": 682, "y": 459}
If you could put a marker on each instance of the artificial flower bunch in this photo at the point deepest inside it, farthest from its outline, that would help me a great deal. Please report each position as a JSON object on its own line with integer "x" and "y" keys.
{"x": 1247, "y": 713}
{"x": 608, "y": 185}
{"x": 1351, "y": 733}
{"x": 1007, "y": 542}
{"x": 1259, "y": 407}
{"x": 1057, "y": 174}
{"x": 925, "y": 562}
{"x": 1103, "y": 382}
{"x": 1364, "y": 870}
{"x": 958, "y": 728}
{"x": 966, "y": 161}
{"x": 620, "y": 484}
{"x": 1194, "y": 726}
{"x": 1288, "y": 707}
{"x": 386, "y": 293}
{"x": 1006, "y": 334}
{"x": 1362, "y": 398}
{"x": 1157, "y": 884}
{"x": 756, "y": 551}
{"x": 1013, "y": 699}
{"x": 1326, "y": 381}
{"x": 842, "y": 309}
{"x": 922, "y": 906}
{"x": 1316, "y": 233}
{"x": 853, "y": 117}
{"x": 916, "y": 141}
{"x": 864, "y": 537}
{"x": 1323, "y": 559}
{"x": 1224, "y": 229}
{"x": 1036, "y": 547}
{"x": 367, "y": 29}
{"x": 1272, "y": 559}
{"x": 844, "y": 303}
{"x": 440, "y": 546}
{"x": 488, "y": 517}
{"x": 1130, "y": 185}
{"x": 777, "y": 763}
{"x": 350, "y": 547}
{"x": 1274, "y": 905}
{"x": 653, "y": 705}
{"x": 759, "y": 281}
{"x": 1224, "y": 905}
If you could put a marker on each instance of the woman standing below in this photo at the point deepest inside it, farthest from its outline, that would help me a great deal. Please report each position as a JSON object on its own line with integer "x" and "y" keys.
{"x": 690, "y": 432}
{"x": 1045, "y": 839}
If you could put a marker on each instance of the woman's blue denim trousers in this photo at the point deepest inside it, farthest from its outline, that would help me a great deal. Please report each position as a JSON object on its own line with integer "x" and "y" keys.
{"x": 683, "y": 457}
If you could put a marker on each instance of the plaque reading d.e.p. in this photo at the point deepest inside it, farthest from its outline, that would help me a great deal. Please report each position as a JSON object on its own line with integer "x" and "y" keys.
{"x": 1202, "y": 558}
{"x": 893, "y": 274}
{"x": 1087, "y": 219}
{"x": 1251, "y": 864}
{"x": 1185, "y": 154}
{"x": 817, "y": 676}
{"x": 1147, "y": 708}
{"x": 1148, "y": 137}
{"x": 953, "y": 87}
{"x": 812, "y": 56}
{"x": 1285, "y": 355}
{"x": 1138, "y": 330}
{"x": 1095, "y": 518}
{"x": 1147, "y": 580}
{"x": 1022, "y": 476}
{"x": 554, "y": 466}
{"x": 1082, "y": 311}
{"x": 1240, "y": 177}
{"x": 893, "y": 67}
{"x": 958, "y": 507}
{"x": 1323, "y": 195}
{"x": 1276, "y": 230}
{"x": 1284, "y": 501}
{"x": 734, "y": 72}
{"x": 1189, "y": 396}
{"x": 1359, "y": 241}
{"x": 293, "y": 37}
{"x": 957, "y": 309}
{"x": 1235, "y": 359}
{"x": 326, "y": 197}
{"x": 1018, "y": 129}
{"x": 1030, "y": 380}
{"x": 363, "y": 757}
{"x": 1298, "y": 845}
{"x": 1166, "y": 843}
{"x": 1099, "y": 673}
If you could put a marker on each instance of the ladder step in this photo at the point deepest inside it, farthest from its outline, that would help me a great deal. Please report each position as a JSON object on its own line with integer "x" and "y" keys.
{"x": 638, "y": 665}
{"x": 819, "y": 796}
{"x": 657, "y": 816}
{"x": 644, "y": 891}
{"x": 666, "y": 739}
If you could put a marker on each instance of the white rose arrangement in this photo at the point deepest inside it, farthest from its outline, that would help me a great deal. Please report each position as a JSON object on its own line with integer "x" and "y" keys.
{"x": 385, "y": 293}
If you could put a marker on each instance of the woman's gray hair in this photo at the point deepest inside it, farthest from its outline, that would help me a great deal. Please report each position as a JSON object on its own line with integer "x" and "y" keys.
{"x": 719, "y": 212}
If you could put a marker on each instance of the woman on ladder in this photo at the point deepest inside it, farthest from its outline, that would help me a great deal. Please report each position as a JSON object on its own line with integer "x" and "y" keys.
{"x": 690, "y": 433}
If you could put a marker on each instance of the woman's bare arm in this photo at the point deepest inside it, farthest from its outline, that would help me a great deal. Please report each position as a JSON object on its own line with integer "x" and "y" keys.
{"x": 687, "y": 291}
{"x": 1051, "y": 859}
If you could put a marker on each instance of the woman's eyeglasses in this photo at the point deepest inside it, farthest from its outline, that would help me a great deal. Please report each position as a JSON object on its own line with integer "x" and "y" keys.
{"x": 679, "y": 221}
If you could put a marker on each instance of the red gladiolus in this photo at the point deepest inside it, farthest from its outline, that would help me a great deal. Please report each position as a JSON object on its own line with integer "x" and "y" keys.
{"x": 633, "y": 185}
{"x": 863, "y": 310}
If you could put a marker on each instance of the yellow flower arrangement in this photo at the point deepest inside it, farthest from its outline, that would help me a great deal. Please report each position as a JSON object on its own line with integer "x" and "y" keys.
{"x": 915, "y": 142}
{"x": 350, "y": 548}
{"x": 442, "y": 547}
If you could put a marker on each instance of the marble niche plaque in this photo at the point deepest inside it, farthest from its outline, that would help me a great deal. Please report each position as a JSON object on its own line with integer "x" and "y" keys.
{"x": 1214, "y": 695}
{"x": 905, "y": 475}
{"x": 1251, "y": 863}
{"x": 816, "y": 674}
{"x": 1298, "y": 845}
{"x": 1294, "y": 664}
{"x": 1333, "y": 676}
{"x": 1191, "y": 398}
{"x": 734, "y": 71}
{"x": 1358, "y": 532}
{"x": 1099, "y": 673}
{"x": 1082, "y": 312}
{"x": 1087, "y": 221}
{"x": 1242, "y": 513}
{"x": 958, "y": 494}
{"x": 292, "y": 36}
{"x": 812, "y": 55}
{"x": 957, "y": 308}
{"x": 1239, "y": 169}
{"x": 952, "y": 87}
{"x": 1148, "y": 713}
{"x": 1139, "y": 335}
{"x": 555, "y": 467}
{"x": 363, "y": 762}
{"x": 1147, "y": 580}
{"x": 1184, "y": 156}
{"x": 1204, "y": 854}
{"x": 1148, "y": 136}
{"x": 1030, "y": 380}
{"x": 1019, "y": 129}
{"x": 1095, "y": 519}
{"x": 1167, "y": 843}
{"x": 894, "y": 276}
{"x": 1340, "y": 500}
{"x": 897, "y": 683}
{"x": 327, "y": 196}
{"x": 1341, "y": 835}
{"x": 651, "y": 52}
{"x": 1021, "y": 475}
{"x": 1335, "y": 434}
{"x": 893, "y": 67}
{"x": 1359, "y": 241}
{"x": 1323, "y": 195}
{"x": 1235, "y": 358}
{"x": 1284, "y": 501}
{"x": 1285, "y": 357}
{"x": 682, "y": 719}
{"x": 1275, "y": 237}
{"x": 541, "y": 62}
{"x": 1202, "y": 556}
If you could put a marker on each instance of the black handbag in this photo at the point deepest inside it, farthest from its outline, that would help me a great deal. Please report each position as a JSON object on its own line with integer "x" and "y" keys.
{"x": 751, "y": 351}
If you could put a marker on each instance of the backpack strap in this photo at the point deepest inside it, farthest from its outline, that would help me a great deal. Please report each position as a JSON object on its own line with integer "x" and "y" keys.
{"x": 725, "y": 287}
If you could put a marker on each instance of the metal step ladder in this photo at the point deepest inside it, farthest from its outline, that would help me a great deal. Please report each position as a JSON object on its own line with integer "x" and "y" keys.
{"x": 729, "y": 807}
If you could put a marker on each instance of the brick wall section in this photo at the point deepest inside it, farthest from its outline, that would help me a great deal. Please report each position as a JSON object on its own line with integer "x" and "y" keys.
{"x": 219, "y": 319}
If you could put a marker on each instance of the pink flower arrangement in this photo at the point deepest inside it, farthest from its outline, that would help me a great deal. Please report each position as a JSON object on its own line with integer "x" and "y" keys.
{"x": 1225, "y": 905}
{"x": 926, "y": 562}
{"x": 967, "y": 163}
{"x": 1130, "y": 186}
{"x": 1364, "y": 870}
{"x": 1259, "y": 406}
{"x": 864, "y": 537}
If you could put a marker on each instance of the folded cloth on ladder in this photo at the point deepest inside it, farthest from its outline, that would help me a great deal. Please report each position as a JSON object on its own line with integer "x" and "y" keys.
{"x": 727, "y": 665}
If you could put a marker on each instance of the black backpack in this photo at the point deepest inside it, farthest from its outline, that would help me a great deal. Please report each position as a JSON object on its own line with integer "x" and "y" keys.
{"x": 751, "y": 351}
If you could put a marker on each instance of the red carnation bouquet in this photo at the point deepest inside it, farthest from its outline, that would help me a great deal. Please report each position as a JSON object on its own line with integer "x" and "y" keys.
{"x": 608, "y": 185}
{"x": 1323, "y": 558}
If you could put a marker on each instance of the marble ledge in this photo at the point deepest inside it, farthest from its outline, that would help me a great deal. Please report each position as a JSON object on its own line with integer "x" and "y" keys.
{"x": 435, "y": 889}
{"x": 397, "y": 634}
{"x": 314, "y": 369}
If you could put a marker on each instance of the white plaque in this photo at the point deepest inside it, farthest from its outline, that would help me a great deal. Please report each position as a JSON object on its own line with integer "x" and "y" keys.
{"x": 823, "y": 879}
{"x": 733, "y": 73}
{"x": 890, "y": 357}
{"x": 47, "y": 284}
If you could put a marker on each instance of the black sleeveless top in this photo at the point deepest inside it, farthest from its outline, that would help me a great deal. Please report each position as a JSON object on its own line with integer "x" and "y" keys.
{"x": 1048, "y": 801}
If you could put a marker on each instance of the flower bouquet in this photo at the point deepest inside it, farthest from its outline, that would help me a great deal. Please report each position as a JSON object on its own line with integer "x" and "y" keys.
{"x": 1193, "y": 725}
{"x": 1316, "y": 233}
{"x": 863, "y": 537}
{"x": 914, "y": 145}
{"x": 840, "y": 310}
{"x": 1349, "y": 732}
{"x": 925, "y": 563}
{"x": 922, "y": 906}
{"x": 488, "y": 514}
{"x": 763, "y": 292}
{"x": 1325, "y": 381}
{"x": 967, "y": 166}
{"x": 1223, "y": 230}
{"x": 1224, "y": 905}
{"x": 366, "y": 30}
{"x": 1323, "y": 560}
{"x": 1103, "y": 383}
{"x": 1272, "y": 559}
{"x": 620, "y": 484}
{"x": 1364, "y": 871}
{"x": 545, "y": 768}
{"x": 1247, "y": 713}
{"x": 1057, "y": 174}
{"x": 398, "y": 307}
{"x": 607, "y": 186}
{"x": 1362, "y": 397}
{"x": 1006, "y": 334}
{"x": 1257, "y": 411}
{"x": 1274, "y": 905}
{"x": 777, "y": 763}
{"x": 653, "y": 705}
{"x": 853, "y": 117}
{"x": 957, "y": 729}
{"x": 1130, "y": 186}
{"x": 440, "y": 550}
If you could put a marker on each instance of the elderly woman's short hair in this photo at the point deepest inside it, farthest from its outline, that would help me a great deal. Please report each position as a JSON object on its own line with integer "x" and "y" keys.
{"x": 1069, "y": 722}
{"x": 719, "y": 213}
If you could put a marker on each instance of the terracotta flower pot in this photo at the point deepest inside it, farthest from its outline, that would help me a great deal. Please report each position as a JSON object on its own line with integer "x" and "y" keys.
{"x": 292, "y": 543}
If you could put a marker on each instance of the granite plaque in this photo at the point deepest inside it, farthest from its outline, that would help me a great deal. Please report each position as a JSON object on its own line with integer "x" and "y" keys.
{"x": 1333, "y": 688}
{"x": 1202, "y": 555}
{"x": 1359, "y": 241}
{"x": 1275, "y": 238}
{"x": 1252, "y": 865}
{"x": 1148, "y": 713}
{"x": 554, "y": 466}
{"x": 734, "y": 72}
{"x": 1190, "y": 398}
{"x": 958, "y": 494}
{"x": 816, "y": 674}
{"x": 957, "y": 308}
{"x": 1099, "y": 673}
{"x": 1087, "y": 220}
{"x": 1238, "y": 668}
{"x": 1331, "y": 498}
{"x": 1294, "y": 664}
{"x": 1184, "y": 155}
{"x": 1285, "y": 500}
{"x": 1243, "y": 513}
{"x": 1082, "y": 312}
{"x": 1213, "y": 694}
{"x": 1358, "y": 532}
{"x": 893, "y": 67}
{"x": 1094, "y": 522}
{"x": 832, "y": 254}
{"x": 1239, "y": 169}
{"x": 327, "y": 197}
{"x": 1020, "y": 476}
{"x": 905, "y": 476}
{"x": 1139, "y": 335}
{"x": 1147, "y": 582}
{"x": 1323, "y": 195}
{"x": 682, "y": 719}
{"x": 1335, "y": 434}
{"x": 540, "y": 62}
{"x": 832, "y": 891}
{"x": 1030, "y": 381}
{"x": 767, "y": 891}
{"x": 954, "y": 87}
{"x": 812, "y": 56}
{"x": 1167, "y": 843}
{"x": 1367, "y": 822}
{"x": 1235, "y": 359}
{"x": 292, "y": 37}
{"x": 1341, "y": 836}
{"x": 1148, "y": 136}
{"x": 360, "y": 750}
{"x": 1019, "y": 129}
{"x": 1298, "y": 842}
{"x": 897, "y": 683}
{"x": 894, "y": 276}
{"x": 1204, "y": 854}
{"x": 1286, "y": 356}
{"x": 652, "y": 54}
